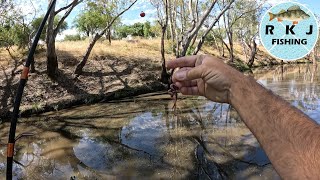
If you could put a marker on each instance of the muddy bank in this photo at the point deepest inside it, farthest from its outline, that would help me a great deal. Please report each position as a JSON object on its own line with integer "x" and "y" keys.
{"x": 105, "y": 78}
{"x": 142, "y": 138}
{"x": 126, "y": 93}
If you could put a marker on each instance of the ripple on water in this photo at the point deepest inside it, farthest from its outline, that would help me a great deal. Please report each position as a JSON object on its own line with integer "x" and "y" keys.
{"x": 143, "y": 139}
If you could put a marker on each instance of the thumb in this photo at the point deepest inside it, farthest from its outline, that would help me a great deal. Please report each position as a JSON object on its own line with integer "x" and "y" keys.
{"x": 190, "y": 74}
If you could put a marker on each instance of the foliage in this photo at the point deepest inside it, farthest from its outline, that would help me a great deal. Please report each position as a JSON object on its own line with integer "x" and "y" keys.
{"x": 13, "y": 30}
{"x": 137, "y": 29}
{"x": 97, "y": 16}
{"x": 190, "y": 50}
{"x": 90, "y": 22}
{"x": 156, "y": 30}
{"x": 147, "y": 29}
{"x": 76, "y": 37}
{"x": 209, "y": 40}
{"x": 35, "y": 24}
{"x": 14, "y": 34}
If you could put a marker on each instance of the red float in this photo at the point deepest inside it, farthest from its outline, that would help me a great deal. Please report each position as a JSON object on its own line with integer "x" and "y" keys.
{"x": 142, "y": 14}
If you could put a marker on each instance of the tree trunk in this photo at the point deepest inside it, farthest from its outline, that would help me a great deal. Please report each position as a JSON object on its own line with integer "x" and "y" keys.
{"x": 193, "y": 31}
{"x": 171, "y": 21}
{"x": 217, "y": 45}
{"x": 84, "y": 61}
{"x": 52, "y": 62}
{"x": 222, "y": 45}
{"x": 231, "y": 49}
{"x": 314, "y": 60}
{"x": 164, "y": 24}
{"x": 244, "y": 49}
{"x": 164, "y": 75}
{"x": 176, "y": 37}
{"x": 193, "y": 41}
{"x": 314, "y": 72}
{"x": 216, "y": 20}
{"x": 80, "y": 66}
{"x": 32, "y": 65}
{"x": 231, "y": 53}
{"x": 253, "y": 53}
{"x": 109, "y": 36}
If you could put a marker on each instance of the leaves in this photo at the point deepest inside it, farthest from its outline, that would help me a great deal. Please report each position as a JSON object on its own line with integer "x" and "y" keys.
{"x": 35, "y": 24}
{"x": 98, "y": 15}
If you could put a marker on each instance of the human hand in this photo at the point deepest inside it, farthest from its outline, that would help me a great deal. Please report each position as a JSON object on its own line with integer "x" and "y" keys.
{"x": 205, "y": 76}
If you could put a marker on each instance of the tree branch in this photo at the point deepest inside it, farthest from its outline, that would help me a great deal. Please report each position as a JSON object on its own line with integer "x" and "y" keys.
{"x": 74, "y": 4}
{"x": 244, "y": 13}
{"x": 210, "y": 28}
{"x": 194, "y": 30}
{"x": 115, "y": 18}
{"x": 64, "y": 8}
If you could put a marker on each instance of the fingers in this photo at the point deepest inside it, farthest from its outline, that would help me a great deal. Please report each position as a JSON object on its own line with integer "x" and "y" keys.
{"x": 195, "y": 73}
{"x": 194, "y": 91}
{"x": 178, "y": 72}
{"x": 186, "y": 83}
{"x": 188, "y": 74}
{"x": 187, "y": 61}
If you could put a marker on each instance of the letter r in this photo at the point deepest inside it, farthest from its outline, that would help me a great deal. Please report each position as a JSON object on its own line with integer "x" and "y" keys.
{"x": 269, "y": 28}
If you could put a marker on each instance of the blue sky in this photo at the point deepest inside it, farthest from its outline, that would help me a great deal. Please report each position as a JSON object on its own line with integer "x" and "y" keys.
{"x": 130, "y": 17}
{"x": 133, "y": 15}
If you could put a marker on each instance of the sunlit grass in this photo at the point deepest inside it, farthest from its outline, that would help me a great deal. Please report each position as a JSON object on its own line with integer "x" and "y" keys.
{"x": 137, "y": 49}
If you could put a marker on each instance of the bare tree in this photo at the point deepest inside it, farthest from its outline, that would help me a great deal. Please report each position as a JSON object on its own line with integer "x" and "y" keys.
{"x": 186, "y": 38}
{"x": 214, "y": 22}
{"x": 163, "y": 18}
{"x": 247, "y": 30}
{"x": 241, "y": 17}
{"x": 187, "y": 20}
{"x": 52, "y": 32}
{"x": 97, "y": 37}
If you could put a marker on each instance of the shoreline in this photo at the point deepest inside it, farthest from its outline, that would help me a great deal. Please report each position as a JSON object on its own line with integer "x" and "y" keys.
{"x": 88, "y": 99}
{"x": 125, "y": 93}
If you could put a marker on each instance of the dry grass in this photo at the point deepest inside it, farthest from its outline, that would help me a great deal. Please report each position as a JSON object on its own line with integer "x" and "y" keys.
{"x": 141, "y": 49}
{"x": 110, "y": 68}
{"x": 5, "y": 58}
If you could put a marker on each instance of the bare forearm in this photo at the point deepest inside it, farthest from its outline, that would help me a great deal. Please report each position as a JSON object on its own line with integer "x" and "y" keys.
{"x": 289, "y": 137}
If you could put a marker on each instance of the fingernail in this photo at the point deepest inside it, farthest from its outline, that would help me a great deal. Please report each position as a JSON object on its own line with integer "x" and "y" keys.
{"x": 181, "y": 75}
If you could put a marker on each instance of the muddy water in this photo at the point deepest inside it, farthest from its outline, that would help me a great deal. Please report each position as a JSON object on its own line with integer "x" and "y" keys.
{"x": 141, "y": 138}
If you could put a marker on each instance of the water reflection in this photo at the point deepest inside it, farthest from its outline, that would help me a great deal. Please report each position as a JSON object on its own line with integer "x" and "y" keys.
{"x": 141, "y": 138}
{"x": 298, "y": 84}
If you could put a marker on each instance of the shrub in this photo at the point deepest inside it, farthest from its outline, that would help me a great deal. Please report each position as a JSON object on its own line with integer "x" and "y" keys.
{"x": 76, "y": 37}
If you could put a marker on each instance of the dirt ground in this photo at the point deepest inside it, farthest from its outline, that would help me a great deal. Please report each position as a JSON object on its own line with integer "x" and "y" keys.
{"x": 120, "y": 66}
{"x": 109, "y": 69}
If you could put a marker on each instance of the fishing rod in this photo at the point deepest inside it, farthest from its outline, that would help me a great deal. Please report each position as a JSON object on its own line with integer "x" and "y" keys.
{"x": 17, "y": 102}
